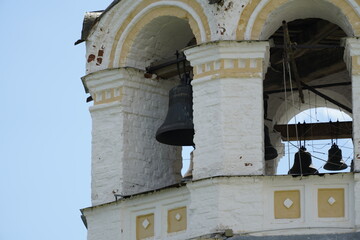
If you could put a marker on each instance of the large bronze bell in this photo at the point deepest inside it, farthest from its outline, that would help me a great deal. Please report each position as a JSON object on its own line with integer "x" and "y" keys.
{"x": 270, "y": 151}
{"x": 335, "y": 162}
{"x": 178, "y": 127}
{"x": 302, "y": 163}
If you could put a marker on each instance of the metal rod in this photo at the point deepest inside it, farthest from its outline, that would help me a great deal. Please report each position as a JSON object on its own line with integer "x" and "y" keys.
{"x": 166, "y": 64}
{"x": 316, "y": 86}
{"x": 327, "y": 97}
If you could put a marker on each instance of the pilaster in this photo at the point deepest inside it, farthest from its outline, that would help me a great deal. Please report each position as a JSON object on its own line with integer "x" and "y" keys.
{"x": 228, "y": 107}
{"x": 352, "y": 60}
{"x": 126, "y": 158}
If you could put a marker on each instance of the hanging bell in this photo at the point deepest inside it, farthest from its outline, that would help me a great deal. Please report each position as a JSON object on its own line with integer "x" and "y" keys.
{"x": 270, "y": 151}
{"x": 335, "y": 162}
{"x": 178, "y": 127}
{"x": 302, "y": 163}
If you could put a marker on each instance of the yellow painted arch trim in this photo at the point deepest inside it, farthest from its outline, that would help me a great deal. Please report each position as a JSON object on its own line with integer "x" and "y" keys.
{"x": 272, "y": 5}
{"x": 158, "y": 11}
{"x": 244, "y": 19}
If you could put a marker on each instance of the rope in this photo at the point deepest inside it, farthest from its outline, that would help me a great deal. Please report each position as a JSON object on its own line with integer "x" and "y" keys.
{"x": 286, "y": 113}
{"x": 293, "y": 103}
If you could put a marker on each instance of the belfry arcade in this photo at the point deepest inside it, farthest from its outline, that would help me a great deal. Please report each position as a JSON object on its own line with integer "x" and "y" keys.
{"x": 232, "y": 81}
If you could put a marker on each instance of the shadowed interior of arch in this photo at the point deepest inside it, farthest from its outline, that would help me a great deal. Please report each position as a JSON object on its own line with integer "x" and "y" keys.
{"x": 318, "y": 148}
{"x": 315, "y": 68}
{"x": 158, "y": 42}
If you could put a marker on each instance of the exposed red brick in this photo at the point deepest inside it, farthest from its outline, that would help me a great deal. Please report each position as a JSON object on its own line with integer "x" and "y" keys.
{"x": 91, "y": 58}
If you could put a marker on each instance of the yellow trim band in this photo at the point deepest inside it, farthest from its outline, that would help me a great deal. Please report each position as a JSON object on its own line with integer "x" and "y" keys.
{"x": 272, "y": 5}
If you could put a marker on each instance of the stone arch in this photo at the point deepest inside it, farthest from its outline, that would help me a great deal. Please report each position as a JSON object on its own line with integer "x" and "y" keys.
{"x": 145, "y": 13}
{"x": 261, "y": 18}
{"x": 284, "y": 114}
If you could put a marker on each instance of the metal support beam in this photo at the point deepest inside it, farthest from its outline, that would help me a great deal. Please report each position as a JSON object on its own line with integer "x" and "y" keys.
{"x": 152, "y": 69}
{"x": 315, "y": 131}
{"x": 327, "y": 97}
{"x": 316, "y": 86}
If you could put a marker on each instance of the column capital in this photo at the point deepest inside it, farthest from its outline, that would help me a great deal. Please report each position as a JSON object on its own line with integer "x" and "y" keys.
{"x": 352, "y": 55}
{"x": 106, "y": 86}
{"x": 230, "y": 59}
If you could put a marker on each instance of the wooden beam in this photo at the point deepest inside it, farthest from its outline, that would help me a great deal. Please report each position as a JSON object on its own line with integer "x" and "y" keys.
{"x": 323, "y": 33}
{"x": 315, "y": 131}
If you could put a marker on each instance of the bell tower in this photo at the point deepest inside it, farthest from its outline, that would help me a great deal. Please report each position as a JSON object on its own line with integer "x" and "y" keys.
{"x": 211, "y": 74}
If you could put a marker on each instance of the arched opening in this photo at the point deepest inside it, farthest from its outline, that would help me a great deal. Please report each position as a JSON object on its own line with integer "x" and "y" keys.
{"x": 157, "y": 49}
{"x": 318, "y": 148}
{"x": 307, "y": 71}
{"x": 158, "y": 42}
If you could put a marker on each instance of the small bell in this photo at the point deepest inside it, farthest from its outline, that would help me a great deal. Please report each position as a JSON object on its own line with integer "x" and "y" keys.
{"x": 335, "y": 162}
{"x": 270, "y": 151}
{"x": 302, "y": 163}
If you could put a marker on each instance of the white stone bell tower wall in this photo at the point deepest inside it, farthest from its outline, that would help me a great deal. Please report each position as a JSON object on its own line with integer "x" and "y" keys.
{"x": 228, "y": 190}
{"x": 126, "y": 158}
{"x": 228, "y": 107}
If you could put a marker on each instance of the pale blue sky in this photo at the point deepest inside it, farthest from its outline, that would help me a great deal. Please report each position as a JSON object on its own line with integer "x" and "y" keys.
{"x": 45, "y": 125}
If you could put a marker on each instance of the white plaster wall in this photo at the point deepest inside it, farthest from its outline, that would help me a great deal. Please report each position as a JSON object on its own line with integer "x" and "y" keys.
{"x": 126, "y": 158}
{"x": 104, "y": 223}
{"x": 243, "y": 204}
{"x": 356, "y": 121}
{"x": 116, "y": 220}
{"x": 357, "y": 200}
{"x": 203, "y": 208}
{"x": 309, "y": 222}
{"x": 225, "y": 203}
{"x": 224, "y": 19}
{"x": 107, "y": 148}
{"x": 228, "y": 112}
{"x": 228, "y": 127}
{"x": 150, "y": 164}
{"x": 208, "y": 130}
